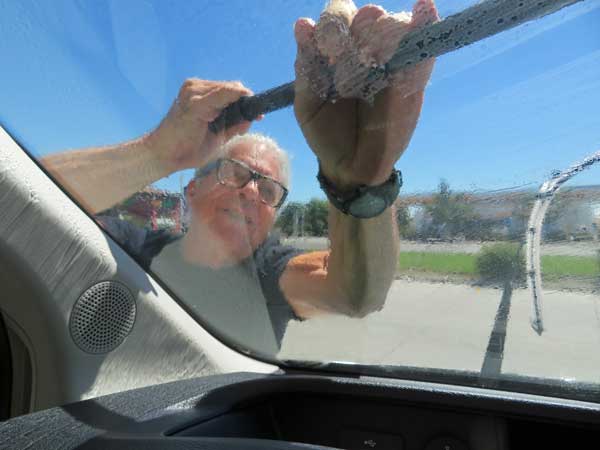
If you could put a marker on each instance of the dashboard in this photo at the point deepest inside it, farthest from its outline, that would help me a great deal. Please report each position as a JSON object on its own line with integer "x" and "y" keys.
{"x": 289, "y": 411}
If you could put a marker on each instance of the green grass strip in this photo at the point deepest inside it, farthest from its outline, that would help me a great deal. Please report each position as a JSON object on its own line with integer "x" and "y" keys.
{"x": 559, "y": 265}
{"x": 460, "y": 263}
{"x": 553, "y": 266}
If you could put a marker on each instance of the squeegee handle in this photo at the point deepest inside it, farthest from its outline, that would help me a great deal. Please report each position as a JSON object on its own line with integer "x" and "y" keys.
{"x": 475, "y": 23}
{"x": 250, "y": 108}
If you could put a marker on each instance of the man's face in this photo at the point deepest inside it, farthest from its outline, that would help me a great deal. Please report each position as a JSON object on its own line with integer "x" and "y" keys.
{"x": 237, "y": 216}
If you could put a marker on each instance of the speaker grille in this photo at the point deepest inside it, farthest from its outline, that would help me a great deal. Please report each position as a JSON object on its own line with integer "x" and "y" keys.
{"x": 102, "y": 317}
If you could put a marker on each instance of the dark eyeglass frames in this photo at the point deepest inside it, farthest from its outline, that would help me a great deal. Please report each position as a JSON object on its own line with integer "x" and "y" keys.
{"x": 236, "y": 175}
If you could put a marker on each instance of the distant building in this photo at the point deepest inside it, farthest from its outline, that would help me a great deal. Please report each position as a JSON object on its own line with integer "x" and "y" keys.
{"x": 575, "y": 212}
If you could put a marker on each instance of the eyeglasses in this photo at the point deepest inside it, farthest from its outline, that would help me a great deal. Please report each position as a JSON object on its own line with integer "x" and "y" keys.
{"x": 236, "y": 175}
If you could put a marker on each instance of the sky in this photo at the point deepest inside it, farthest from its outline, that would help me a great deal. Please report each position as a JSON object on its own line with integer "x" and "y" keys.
{"x": 502, "y": 113}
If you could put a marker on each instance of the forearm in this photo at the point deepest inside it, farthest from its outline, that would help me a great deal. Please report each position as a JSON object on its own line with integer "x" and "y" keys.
{"x": 101, "y": 177}
{"x": 363, "y": 260}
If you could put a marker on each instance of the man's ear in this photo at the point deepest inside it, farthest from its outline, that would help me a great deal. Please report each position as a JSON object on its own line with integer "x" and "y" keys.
{"x": 191, "y": 188}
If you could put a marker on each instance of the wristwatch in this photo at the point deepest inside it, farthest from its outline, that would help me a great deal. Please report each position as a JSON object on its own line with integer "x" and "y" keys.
{"x": 364, "y": 202}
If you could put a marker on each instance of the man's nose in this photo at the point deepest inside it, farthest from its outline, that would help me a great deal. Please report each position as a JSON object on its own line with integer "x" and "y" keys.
{"x": 250, "y": 191}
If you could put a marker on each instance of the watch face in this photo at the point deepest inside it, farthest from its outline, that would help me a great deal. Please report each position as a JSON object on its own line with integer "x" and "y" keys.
{"x": 367, "y": 206}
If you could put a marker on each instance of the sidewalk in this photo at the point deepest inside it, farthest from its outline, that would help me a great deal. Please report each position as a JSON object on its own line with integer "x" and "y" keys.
{"x": 448, "y": 326}
{"x": 588, "y": 248}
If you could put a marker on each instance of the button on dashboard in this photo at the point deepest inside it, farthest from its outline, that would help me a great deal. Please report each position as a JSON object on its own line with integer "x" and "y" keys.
{"x": 446, "y": 443}
{"x": 368, "y": 440}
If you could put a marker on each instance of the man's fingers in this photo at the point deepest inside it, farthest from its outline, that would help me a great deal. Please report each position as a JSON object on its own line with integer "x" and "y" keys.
{"x": 387, "y": 32}
{"x": 341, "y": 49}
{"x": 304, "y": 31}
{"x": 203, "y": 110}
{"x": 217, "y": 94}
{"x": 365, "y": 18}
{"x": 205, "y": 100}
{"x": 227, "y": 94}
{"x": 332, "y": 33}
{"x": 194, "y": 86}
{"x": 352, "y": 73}
{"x": 416, "y": 78}
{"x": 313, "y": 79}
{"x": 362, "y": 30}
{"x": 424, "y": 13}
{"x": 308, "y": 57}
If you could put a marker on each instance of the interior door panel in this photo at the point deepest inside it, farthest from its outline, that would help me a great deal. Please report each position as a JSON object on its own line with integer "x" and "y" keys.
{"x": 51, "y": 252}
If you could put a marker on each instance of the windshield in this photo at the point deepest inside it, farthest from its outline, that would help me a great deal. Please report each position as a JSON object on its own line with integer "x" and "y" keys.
{"x": 486, "y": 265}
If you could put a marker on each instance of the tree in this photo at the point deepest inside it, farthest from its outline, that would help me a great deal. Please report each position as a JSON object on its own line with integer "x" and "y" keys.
{"x": 310, "y": 219}
{"x": 557, "y": 226}
{"x": 288, "y": 217}
{"x": 451, "y": 214}
{"x": 405, "y": 226}
{"x": 316, "y": 217}
{"x": 520, "y": 216}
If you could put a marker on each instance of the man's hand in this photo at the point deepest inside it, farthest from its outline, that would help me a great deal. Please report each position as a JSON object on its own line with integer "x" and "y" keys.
{"x": 101, "y": 177}
{"x": 183, "y": 140}
{"x": 357, "y": 141}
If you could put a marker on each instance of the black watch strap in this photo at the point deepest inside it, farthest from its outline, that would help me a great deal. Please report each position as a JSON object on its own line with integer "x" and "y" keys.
{"x": 363, "y": 202}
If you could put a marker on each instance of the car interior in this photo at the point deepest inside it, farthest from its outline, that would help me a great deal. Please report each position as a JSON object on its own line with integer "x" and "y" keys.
{"x": 144, "y": 373}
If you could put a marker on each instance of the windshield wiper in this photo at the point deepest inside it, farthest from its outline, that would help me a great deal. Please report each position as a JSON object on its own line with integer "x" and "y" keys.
{"x": 478, "y": 22}
{"x": 510, "y": 382}
{"x": 534, "y": 234}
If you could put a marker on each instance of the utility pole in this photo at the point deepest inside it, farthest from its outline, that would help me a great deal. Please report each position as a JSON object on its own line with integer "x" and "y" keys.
{"x": 295, "y": 222}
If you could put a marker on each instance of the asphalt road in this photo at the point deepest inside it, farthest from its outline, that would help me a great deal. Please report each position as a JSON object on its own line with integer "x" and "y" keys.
{"x": 448, "y": 326}
{"x": 588, "y": 248}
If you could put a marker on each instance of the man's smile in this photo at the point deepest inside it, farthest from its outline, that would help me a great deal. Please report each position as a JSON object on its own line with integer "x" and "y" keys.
{"x": 238, "y": 216}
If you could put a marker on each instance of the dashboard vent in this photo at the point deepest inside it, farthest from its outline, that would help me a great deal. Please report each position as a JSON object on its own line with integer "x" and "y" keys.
{"x": 102, "y": 317}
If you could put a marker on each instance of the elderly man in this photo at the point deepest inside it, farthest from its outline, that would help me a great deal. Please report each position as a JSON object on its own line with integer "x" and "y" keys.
{"x": 237, "y": 278}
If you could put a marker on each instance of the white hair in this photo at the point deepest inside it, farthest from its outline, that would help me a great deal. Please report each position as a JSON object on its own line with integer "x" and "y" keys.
{"x": 258, "y": 140}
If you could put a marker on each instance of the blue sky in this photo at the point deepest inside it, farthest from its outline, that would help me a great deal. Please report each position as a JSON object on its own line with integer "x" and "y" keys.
{"x": 501, "y": 113}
